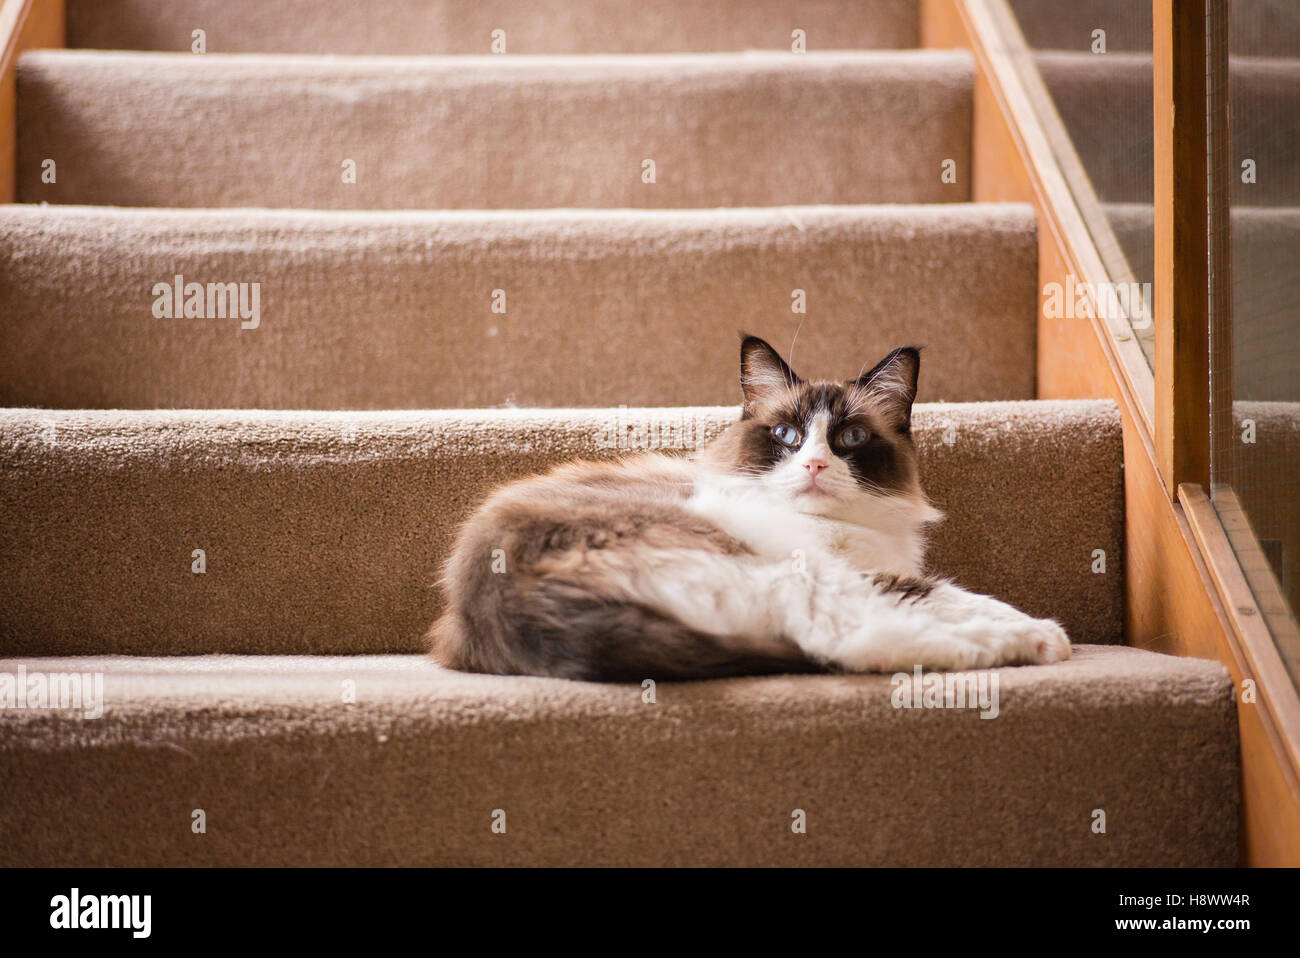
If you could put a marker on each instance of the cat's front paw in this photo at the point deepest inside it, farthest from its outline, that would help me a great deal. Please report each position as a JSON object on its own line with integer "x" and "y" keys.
{"x": 1026, "y": 641}
{"x": 981, "y": 642}
{"x": 1044, "y": 641}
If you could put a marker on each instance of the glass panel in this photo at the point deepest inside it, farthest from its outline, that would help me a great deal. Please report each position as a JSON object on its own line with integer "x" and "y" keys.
{"x": 1095, "y": 60}
{"x": 1255, "y": 300}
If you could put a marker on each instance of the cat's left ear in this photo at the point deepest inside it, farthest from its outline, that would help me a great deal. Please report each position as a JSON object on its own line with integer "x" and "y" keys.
{"x": 892, "y": 384}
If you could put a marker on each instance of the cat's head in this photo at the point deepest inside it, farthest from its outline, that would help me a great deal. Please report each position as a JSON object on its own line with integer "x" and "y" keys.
{"x": 830, "y": 447}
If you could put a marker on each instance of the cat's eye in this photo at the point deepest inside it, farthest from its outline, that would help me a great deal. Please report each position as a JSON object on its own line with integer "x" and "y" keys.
{"x": 786, "y": 434}
{"x": 853, "y": 437}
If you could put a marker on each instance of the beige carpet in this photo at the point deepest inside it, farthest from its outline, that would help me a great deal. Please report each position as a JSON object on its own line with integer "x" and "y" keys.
{"x": 466, "y": 26}
{"x": 323, "y": 532}
{"x": 275, "y": 692}
{"x": 751, "y": 129}
{"x": 286, "y": 772}
{"x": 602, "y": 307}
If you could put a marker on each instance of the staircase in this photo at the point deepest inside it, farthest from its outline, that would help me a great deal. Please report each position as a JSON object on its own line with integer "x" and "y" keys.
{"x": 470, "y": 266}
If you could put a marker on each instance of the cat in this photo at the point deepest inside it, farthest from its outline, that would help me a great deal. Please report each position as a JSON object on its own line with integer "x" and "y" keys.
{"x": 793, "y": 542}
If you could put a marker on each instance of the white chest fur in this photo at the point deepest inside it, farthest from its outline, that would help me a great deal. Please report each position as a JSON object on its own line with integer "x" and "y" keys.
{"x": 870, "y": 533}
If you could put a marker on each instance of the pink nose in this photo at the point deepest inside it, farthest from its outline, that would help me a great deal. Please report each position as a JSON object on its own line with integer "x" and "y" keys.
{"x": 815, "y": 466}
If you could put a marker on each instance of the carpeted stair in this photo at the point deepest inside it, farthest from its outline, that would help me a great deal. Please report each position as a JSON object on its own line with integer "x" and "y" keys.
{"x": 710, "y": 773}
{"x": 396, "y": 310}
{"x": 322, "y": 532}
{"x": 506, "y": 132}
{"x": 240, "y": 527}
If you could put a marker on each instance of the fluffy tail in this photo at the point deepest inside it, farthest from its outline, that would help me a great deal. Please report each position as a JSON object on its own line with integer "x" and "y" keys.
{"x": 614, "y": 614}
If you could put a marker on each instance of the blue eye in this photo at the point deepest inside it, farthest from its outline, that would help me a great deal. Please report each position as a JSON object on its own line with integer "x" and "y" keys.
{"x": 786, "y": 434}
{"x": 852, "y": 437}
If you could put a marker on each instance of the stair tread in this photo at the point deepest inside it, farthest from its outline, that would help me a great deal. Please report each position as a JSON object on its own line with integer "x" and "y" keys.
{"x": 576, "y": 65}
{"x": 221, "y": 687}
{"x": 287, "y": 773}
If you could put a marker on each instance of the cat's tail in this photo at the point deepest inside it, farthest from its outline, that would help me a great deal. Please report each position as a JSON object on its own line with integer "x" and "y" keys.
{"x": 605, "y": 610}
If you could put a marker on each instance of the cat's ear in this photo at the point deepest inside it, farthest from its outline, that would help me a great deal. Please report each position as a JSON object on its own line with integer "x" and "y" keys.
{"x": 763, "y": 373}
{"x": 891, "y": 383}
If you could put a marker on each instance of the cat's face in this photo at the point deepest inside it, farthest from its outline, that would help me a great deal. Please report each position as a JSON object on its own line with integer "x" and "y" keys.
{"x": 831, "y": 448}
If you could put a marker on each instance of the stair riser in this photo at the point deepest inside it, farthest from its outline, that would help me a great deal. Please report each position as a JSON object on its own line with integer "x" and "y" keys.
{"x": 324, "y": 533}
{"x": 377, "y": 311}
{"x": 493, "y": 132}
{"x": 457, "y": 27}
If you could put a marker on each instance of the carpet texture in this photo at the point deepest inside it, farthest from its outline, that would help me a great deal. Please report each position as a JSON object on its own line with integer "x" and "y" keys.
{"x": 324, "y": 532}
{"x": 287, "y": 773}
{"x": 460, "y": 27}
{"x": 751, "y": 129}
{"x": 602, "y": 307}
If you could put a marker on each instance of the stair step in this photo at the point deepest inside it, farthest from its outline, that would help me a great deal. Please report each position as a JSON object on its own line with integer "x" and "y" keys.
{"x": 1105, "y": 104}
{"x": 457, "y": 27}
{"x": 711, "y": 773}
{"x": 751, "y": 129}
{"x": 324, "y": 532}
{"x": 395, "y": 310}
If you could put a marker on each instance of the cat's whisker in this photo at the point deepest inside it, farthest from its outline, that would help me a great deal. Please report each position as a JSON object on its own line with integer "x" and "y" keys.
{"x": 795, "y": 338}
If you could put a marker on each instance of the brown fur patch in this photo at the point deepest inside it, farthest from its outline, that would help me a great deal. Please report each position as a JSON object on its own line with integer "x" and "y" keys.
{"x": 535, "y": 581}
{"x": 907, "y": 588}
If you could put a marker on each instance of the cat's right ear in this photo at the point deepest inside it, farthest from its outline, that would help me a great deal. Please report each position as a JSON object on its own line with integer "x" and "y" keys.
{"x": 892, "y": 382}
{"x": 763, "y": 373}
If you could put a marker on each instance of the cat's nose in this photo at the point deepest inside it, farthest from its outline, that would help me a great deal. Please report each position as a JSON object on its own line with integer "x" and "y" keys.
{"x": 815, "y": 466}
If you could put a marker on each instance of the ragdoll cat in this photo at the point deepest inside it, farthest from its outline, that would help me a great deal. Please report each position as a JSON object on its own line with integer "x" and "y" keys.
{"x": 791, "y": 543}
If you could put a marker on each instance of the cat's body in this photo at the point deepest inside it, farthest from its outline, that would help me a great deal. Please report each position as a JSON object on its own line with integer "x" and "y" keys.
{"x": 793, "y": 542}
